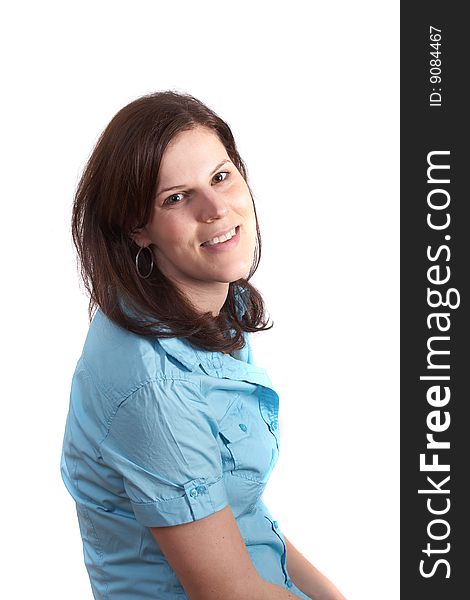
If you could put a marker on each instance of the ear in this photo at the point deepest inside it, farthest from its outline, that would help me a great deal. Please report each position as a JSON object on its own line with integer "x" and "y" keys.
{"x": 140, "y": 237}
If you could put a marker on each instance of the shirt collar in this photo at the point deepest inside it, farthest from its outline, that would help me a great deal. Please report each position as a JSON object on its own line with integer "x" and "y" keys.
{"x": 217, "y": 364}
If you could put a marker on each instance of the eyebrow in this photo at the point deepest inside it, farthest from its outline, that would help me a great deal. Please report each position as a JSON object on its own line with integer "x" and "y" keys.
{"x": 175, "y": 187}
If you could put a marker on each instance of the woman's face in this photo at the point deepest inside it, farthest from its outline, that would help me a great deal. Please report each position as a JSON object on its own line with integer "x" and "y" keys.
{"x": 202, "y": 200}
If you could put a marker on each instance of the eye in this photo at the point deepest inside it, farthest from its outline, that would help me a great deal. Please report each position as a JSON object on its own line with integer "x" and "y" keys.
{"x": 173, "y": 199}
{"x": 219, "y": 177}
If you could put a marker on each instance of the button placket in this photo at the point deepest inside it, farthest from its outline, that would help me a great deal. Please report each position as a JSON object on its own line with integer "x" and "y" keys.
{"x": 275, "y": 528}
{"x": 268, "y": 404}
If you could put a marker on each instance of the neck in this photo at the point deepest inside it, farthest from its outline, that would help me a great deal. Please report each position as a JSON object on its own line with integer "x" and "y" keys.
{"x": 208, "y": 297}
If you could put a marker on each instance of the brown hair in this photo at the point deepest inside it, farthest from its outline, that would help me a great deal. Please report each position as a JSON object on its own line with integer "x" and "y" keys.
{"x": 116, "y": 195}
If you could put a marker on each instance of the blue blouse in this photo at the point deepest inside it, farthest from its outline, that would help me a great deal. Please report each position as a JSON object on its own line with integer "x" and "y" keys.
{"x": 161, "y": 433}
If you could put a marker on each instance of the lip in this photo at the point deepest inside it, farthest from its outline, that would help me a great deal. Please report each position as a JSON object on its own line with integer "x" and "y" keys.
{"x": 227, "y": 245}
{"x": 220, "y": 233}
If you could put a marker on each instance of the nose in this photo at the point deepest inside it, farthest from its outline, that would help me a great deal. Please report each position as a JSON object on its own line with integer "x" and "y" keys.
{"x": 212, "y": 206}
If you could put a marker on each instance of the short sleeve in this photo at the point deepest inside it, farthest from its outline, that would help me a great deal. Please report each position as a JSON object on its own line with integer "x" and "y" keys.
{"x": 163, "y": 442}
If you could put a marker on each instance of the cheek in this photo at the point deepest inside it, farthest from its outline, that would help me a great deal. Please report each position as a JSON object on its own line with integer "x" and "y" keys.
{"x": 249, "y": 216}
{"x": 171, "y": 235}
{"x": 243, "y": 204}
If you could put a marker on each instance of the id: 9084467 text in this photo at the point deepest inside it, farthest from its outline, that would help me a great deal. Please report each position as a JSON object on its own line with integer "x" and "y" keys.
{"x": 435, "y": 66}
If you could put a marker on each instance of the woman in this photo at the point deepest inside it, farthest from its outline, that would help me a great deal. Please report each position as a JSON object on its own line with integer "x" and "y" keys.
{"x": 172, "y": 430}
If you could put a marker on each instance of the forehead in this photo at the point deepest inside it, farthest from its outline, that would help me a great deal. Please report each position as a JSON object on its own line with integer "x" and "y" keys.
{"x": 197, "y": 149}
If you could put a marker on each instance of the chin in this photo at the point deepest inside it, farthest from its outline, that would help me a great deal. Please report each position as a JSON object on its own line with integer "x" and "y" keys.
{"x": 235, "y": 274}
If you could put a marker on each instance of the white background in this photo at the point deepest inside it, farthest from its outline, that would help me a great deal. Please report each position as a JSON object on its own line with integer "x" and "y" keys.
{"x": 310, "y": 90}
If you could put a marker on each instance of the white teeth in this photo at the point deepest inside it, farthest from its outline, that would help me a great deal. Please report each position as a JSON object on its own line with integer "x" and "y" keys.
{"x": 222, "y": 238}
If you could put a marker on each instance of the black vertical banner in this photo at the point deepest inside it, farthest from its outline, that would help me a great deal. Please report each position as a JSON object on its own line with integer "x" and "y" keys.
{"x": 435, "y": 300}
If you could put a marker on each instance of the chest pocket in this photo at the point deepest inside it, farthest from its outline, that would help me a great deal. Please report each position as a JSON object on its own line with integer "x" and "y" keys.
{"x": 249, "y": 448}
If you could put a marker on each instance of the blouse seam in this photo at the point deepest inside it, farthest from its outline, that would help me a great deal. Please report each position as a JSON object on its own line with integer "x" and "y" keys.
{"x": 235, "y": 474}
{"x": 122, "y": 396}
{"x": 134, "y": 391}
{"x": 99, "y": 550}
{"x": 231, "y": 405}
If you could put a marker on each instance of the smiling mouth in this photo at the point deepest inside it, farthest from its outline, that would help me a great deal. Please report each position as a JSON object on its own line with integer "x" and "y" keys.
{"x": 222, "y": 238}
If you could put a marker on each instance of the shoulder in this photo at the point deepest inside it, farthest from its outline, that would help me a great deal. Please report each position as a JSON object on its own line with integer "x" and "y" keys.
{"x": 121, "y": 362}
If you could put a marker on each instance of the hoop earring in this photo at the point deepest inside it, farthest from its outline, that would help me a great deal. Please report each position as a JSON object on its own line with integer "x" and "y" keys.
{"x": 137, "y": 267}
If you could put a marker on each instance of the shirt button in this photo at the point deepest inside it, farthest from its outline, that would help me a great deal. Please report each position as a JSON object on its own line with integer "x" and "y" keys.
{"x": 242, "y": 426}
{"x": 275, "y": 525}
{"x": 201, "y": 489}
{"x": 193, "y": 492}
{"x": 289, "y": 583}
{"x": 274, "y": 425}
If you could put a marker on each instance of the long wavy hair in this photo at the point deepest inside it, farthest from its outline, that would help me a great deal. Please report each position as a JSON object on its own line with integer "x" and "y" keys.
{"x": 116, "y": 195}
